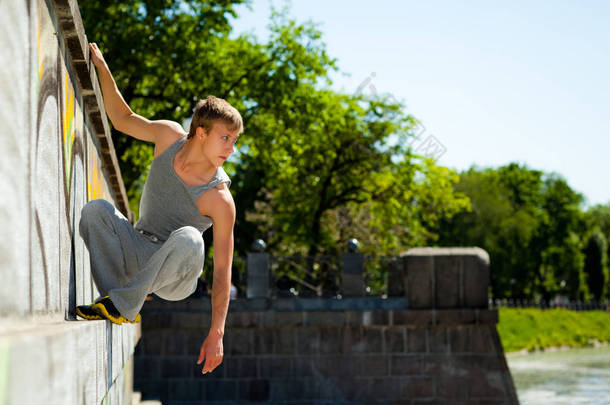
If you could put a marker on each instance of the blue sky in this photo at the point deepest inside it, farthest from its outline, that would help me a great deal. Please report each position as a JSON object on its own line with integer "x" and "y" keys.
{"x": 491, "y": 82}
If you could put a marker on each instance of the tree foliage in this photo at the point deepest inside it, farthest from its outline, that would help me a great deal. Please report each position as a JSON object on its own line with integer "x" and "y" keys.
{"x": 541, "y": 243}
{"x": 314, "y": 167}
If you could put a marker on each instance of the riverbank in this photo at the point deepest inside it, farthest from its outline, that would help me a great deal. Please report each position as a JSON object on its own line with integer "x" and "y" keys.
{"x": 531, "y": 329}
{"x": 553, "y": 349}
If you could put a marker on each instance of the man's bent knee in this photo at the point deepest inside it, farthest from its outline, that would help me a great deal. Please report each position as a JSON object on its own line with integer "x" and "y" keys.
{"x": 88, "y": 211}
{"x": 96, "y": 207}
{"x": 189, "y": 237}
{"x": 93, "y": 210}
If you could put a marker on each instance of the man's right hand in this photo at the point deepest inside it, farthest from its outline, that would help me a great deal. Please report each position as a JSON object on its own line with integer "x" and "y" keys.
{"x": 96, "y": 55}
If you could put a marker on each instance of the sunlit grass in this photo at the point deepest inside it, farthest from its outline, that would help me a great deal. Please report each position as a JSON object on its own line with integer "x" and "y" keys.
{"x": 535, "y": 329}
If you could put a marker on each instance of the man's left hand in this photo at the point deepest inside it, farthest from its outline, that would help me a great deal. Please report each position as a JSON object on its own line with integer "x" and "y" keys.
{"x": 212, "y": 351}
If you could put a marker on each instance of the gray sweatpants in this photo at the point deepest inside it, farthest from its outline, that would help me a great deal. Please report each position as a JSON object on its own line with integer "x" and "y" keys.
{"x": 127, "y": 265}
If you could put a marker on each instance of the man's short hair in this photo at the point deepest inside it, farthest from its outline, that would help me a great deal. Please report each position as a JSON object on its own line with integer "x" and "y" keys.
{"x": 213, "y": 109}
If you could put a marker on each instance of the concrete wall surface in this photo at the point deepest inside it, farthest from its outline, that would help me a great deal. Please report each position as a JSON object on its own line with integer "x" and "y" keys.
{"x": 57, "y": 154}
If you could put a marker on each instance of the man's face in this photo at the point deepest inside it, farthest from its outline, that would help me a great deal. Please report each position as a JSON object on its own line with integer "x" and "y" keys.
{"x": 220, "y": 143}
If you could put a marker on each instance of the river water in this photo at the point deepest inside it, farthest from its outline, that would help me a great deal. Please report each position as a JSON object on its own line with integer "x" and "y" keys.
{"x": 575, "y": 376}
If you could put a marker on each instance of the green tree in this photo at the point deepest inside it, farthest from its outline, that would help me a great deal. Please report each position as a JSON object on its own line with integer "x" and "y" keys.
{"x": 504, "y": 219}
{"x": 149, "y": 44}
{"x": 309, "y": 156}
{"x": 340, "y": 180}
{"x": 596, "y": 264}
{"x": 562, "y": 230}
{"x": 598, "y": 217}
{"x": 532, "y": 226}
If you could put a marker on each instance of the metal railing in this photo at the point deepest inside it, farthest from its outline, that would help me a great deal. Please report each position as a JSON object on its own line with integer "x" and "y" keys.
{"x": 319, "y": 276}
{"x": 374, "y": 275}
{"x": 550, "y": 304}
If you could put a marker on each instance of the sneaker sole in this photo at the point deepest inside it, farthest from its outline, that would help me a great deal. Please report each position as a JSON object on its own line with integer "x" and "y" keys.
{"x": 138, "y": 319}
{"x": 122, "y": 319}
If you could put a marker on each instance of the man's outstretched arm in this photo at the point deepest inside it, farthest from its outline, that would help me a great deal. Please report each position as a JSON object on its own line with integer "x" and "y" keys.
{"x": 223, "y": 217}
{"x": 119, "y": 112}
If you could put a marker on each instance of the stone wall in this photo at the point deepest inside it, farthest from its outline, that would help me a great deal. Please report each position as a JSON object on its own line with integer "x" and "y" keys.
{"x": 436, "y": 345}
{"x": 57, "y": 154}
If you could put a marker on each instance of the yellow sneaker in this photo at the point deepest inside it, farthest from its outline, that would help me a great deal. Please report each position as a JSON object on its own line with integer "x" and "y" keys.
{"x": 87, "y": 312}
{"x": 105, "y": 308}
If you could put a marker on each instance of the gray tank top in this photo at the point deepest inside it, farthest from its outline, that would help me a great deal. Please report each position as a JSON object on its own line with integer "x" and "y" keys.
{"x": 167, "y": 203}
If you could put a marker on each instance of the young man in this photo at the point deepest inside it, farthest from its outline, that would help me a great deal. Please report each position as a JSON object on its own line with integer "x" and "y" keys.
{"x": 186, "y": 192}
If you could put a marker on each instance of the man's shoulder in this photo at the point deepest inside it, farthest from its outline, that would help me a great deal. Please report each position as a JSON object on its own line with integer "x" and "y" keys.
{"x": 222, "y": 196}
{"x": 221, "y": 202}
{"x": 165, "y": 139}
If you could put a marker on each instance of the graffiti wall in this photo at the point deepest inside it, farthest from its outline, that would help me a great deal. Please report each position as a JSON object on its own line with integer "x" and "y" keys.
{"x": 54, "y": 161}
{"x": 56, "y": 154}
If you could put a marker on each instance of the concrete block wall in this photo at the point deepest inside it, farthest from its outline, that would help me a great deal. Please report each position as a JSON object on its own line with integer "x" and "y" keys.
{"x": 57, "y": 154}
{"x": 443, "y": 349}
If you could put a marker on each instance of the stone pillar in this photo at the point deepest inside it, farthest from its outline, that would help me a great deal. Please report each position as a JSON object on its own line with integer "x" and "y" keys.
{"x": 352, "y": 282}
{"x": 397, "y": 280}
{"x": 258, "y": 275}
{"x": 447, "y": 277}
